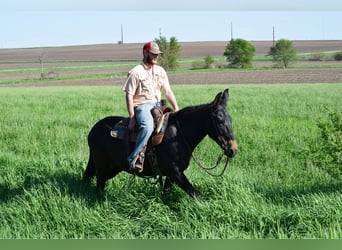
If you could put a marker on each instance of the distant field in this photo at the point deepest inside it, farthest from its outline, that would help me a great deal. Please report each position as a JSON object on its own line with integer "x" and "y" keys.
{"x": 107, "y": 64}
{"x": 133, "y": 51}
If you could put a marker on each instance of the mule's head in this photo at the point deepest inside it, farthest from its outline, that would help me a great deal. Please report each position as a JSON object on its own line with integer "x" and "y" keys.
{"x": 221, "y": 126}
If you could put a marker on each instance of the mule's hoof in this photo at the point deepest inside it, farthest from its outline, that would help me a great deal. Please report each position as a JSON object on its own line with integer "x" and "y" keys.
{"x": 196, "y": 195}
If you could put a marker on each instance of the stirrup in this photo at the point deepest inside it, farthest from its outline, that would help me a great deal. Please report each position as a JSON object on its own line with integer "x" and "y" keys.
{"x": 136, "y": 167}
{"x": 137, "y": 164}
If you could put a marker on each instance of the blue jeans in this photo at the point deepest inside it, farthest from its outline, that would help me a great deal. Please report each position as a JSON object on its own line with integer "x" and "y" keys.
{"x": 145, "y": 123}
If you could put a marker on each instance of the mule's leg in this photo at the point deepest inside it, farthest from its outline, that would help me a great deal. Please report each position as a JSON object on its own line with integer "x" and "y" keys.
{"x": 101, "y": 180}
{"x": 100, "y": 184}
{"x": 167, "y": 185}
{"x": 105, "y": 171}
{"x": 90, "y": 169}
{"x": 180, "y": 179}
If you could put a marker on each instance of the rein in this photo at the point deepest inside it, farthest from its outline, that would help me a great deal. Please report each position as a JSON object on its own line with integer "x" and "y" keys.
{"x": 199, "y": 163}
{"x": 207, "y": 170}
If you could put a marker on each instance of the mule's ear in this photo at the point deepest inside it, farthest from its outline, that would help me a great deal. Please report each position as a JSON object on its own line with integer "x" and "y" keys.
{"x": 217, "y": 99}
{"x": 225, "y": 97}
{"x": 222, "y": 98}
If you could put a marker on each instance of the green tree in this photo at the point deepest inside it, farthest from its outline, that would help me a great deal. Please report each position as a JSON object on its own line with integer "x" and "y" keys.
{"x": 209, "y": 61}
{"x": 239, "y": 53}
{"x": 283, "y": 53}
{"x": 171, "y": 52}
{"x": 338, "y": 56}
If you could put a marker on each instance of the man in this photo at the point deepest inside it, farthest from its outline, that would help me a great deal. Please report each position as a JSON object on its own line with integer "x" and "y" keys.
{"x": 143, "y": 92}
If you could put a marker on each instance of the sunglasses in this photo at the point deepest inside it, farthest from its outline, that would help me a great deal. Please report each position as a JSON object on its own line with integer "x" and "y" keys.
{"x": 152, "y": 54}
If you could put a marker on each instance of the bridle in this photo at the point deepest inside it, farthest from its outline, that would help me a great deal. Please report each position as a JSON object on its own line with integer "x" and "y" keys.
{"x": 223, "y": 144}
{"x": 198, "y": 162}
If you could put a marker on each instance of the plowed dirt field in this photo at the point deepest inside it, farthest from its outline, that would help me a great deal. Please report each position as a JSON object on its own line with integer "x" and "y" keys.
{"x": 130, "y": 54}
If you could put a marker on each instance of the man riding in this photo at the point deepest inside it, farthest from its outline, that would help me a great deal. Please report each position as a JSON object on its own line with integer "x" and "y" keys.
{"x": 143, "y": 92}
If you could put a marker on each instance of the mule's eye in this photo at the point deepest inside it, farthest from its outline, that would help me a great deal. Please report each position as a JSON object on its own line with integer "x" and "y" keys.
{"x": 220, "y": 116}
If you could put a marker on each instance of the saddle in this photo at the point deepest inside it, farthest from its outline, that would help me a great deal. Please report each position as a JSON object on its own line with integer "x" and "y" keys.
{"x": 160, "y": 117}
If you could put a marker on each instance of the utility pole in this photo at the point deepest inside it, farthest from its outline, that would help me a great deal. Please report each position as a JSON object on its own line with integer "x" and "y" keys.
{"x": 122, "y": 34}
{"x": 231, "y": 30}
{"x": 273, "y": 36}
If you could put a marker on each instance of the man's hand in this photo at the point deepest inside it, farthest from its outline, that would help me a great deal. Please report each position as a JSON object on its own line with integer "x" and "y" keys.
{"x": 131, "y": 124}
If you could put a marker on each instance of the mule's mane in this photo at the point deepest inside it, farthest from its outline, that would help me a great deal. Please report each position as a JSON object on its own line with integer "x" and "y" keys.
{"x": 191, "y": 109}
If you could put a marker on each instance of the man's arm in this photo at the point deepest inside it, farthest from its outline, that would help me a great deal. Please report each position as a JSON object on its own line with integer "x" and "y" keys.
{"x": 130, "y": 108}
{"x": 171, "y": 98}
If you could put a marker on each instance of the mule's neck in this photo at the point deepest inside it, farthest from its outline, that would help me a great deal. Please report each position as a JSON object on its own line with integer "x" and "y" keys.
{"x": 193, "y": 124}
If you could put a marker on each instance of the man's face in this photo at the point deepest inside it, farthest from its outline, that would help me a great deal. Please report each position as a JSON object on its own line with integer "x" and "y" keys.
{"x": 151, "y": 58}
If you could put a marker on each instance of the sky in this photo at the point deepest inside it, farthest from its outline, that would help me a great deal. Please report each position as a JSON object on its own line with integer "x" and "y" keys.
{"x": 45, "y": 23}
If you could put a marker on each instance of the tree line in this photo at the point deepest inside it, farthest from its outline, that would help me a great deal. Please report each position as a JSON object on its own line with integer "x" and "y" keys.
{"x": 239, "y": 53}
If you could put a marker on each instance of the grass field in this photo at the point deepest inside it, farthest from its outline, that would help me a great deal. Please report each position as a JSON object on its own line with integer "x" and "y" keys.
{"x": 270, "y": 189}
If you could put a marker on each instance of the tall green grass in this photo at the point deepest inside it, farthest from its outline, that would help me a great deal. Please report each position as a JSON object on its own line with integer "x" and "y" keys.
{"x": 268, "y": 191}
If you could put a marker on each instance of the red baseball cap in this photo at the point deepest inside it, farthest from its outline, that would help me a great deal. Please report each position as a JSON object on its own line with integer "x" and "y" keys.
{"x": 152, "y": 47}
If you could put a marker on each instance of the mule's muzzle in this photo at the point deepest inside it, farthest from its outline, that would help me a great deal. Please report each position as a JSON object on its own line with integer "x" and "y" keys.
{"x": 232, "y": 150}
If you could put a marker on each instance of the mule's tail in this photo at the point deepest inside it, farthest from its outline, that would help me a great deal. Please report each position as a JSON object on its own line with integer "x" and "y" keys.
{"x": 90, "y": 170}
